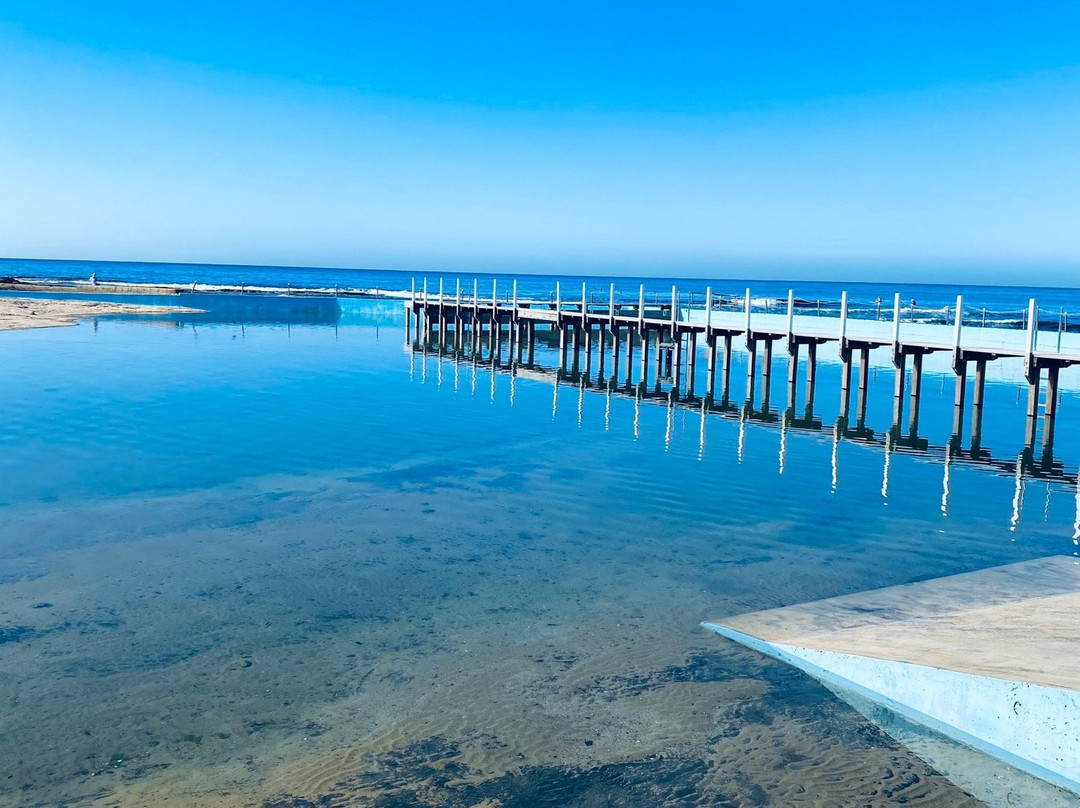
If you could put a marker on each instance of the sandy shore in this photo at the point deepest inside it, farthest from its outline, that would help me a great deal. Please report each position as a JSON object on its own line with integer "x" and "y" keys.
{"x": 23, "y": 312}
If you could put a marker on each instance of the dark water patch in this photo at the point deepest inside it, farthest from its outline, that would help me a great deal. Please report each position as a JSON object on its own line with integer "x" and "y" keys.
{"x": 13, "y": 634}
{"x": 430, "y": 773}
{"x": 702, "y": 665}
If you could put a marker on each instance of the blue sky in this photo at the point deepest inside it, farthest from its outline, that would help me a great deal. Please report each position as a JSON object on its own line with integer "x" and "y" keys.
{"x": 911, "y": 141}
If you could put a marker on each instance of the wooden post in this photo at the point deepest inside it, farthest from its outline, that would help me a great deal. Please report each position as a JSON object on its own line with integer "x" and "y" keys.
{"x": 1034, "y": 375}
{"x": 916, "y": 393}
{"x": 766, "y": 375}
{"x": 576, "y": 346}
{"x": 900, "y": 361}
{"x": 691, "y": 362}
{"x": 1050, "y": 409}
{"x": 629, "y": 355}
{"x": 751, "y": 367}
{"x": 977, "y": 403}
{"x": 615, "y": 352}
{"x": 676, "y": 362}
{"x": 864, "y": 383}
{"x": 725, "y": 385}
{"x": 588, "y": 349}
{"x": 659, "y": 355}
{"x": 532, "y": 342}
{"x": 960, "y": 368}
{"x": 811, "y": 377}
{"x": 644, "y": 358}
{"x": 562, "y": 347}
{"x": 792, "y": 372}
{"x": 710, "y": 369}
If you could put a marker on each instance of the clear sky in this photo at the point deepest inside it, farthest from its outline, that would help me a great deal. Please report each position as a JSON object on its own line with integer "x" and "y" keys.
{"x": 913, "y": 140}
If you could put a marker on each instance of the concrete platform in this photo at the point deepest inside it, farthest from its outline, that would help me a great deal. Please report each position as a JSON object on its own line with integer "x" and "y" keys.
{"x": 988, "y": 658}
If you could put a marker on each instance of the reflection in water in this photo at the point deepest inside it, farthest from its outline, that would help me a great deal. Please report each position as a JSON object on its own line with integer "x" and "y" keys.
{"x": 889, "y": 441}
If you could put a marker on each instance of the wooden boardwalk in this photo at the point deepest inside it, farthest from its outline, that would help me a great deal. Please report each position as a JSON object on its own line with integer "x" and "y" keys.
{"x": 676, "y": 332}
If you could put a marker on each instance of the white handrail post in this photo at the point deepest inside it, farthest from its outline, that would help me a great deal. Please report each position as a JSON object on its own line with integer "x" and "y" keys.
{"x": 558, "y": 299}
{"x": 412, "y": 291}
{"x": 896, "y": 327}
{"x": 843, "y": 324}
{"x": 641, "y": 308}
{"x": 790, "y": 314}
{"x": 611, "y": 308}
{"x": 457, "y": 297}
{"x": 440, "y": 292}
{"x": 708, "y": 309}
{"x": 958, "y": 324}
{"x": 425, "y": 290}
{"x": 475, "y": 296}
{"x": 584, "y": 305}
{"x": 674, "y": 309}
{"x": 494, "y": 295}
{"x": 1032, "y": 336}
{"x": 746, "y": 307}
{"x": 514, "y": 312}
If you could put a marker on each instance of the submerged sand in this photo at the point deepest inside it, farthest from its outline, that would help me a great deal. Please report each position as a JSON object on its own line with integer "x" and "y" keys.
{"x": 25, "y": 312}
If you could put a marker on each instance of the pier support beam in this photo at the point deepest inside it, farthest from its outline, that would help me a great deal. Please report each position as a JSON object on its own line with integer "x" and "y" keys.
{"x": 958, "y": 401}
{"x": 811, "y": 378}
{"x": 916, "y": 393}
{"x": 659, "y": 356}
{"x": 629, "y": 355}
{"x": 676, "y": 363}
{"x": 710, "y": 369}
{"x": 766, "y": 375}
{"x": 644, "y": 358}
{"x": 792, "y": 373}
{"x": 691, "y": 363}
{"x": 1035, "y": 377}
{"x": 1050, "y": 409}
{"x": 588, "y": 350}
{"x": 864, "y": 384}
{"x": 751, "y": 371}
{"x": 845, "y": 385}
{"x": 900, "y": 360}
{"x": 725, "y": 383}
{"x": 977, "y": 404}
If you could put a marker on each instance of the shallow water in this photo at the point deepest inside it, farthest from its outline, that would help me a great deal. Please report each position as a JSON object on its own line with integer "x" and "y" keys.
{"x": 258, "y": 559}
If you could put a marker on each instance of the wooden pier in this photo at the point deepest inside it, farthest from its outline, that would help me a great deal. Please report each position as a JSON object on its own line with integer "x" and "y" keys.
{"x": 676, "y": 332}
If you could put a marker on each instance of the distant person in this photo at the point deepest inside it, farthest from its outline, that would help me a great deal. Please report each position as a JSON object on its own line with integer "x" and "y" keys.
{"x": 93, "y": 279}
{"x": 877, "y": 303}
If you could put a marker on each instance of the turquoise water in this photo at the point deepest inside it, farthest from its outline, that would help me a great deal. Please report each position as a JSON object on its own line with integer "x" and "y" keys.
{"x": 279, "y": 558}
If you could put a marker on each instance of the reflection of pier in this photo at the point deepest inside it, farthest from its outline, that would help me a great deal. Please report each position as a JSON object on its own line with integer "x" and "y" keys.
{"x": 613, "y": 331}
{"x": 1021, "y": 468}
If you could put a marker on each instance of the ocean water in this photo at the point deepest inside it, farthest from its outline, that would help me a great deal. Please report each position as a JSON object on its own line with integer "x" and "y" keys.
{"x": 273, "y": 555}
